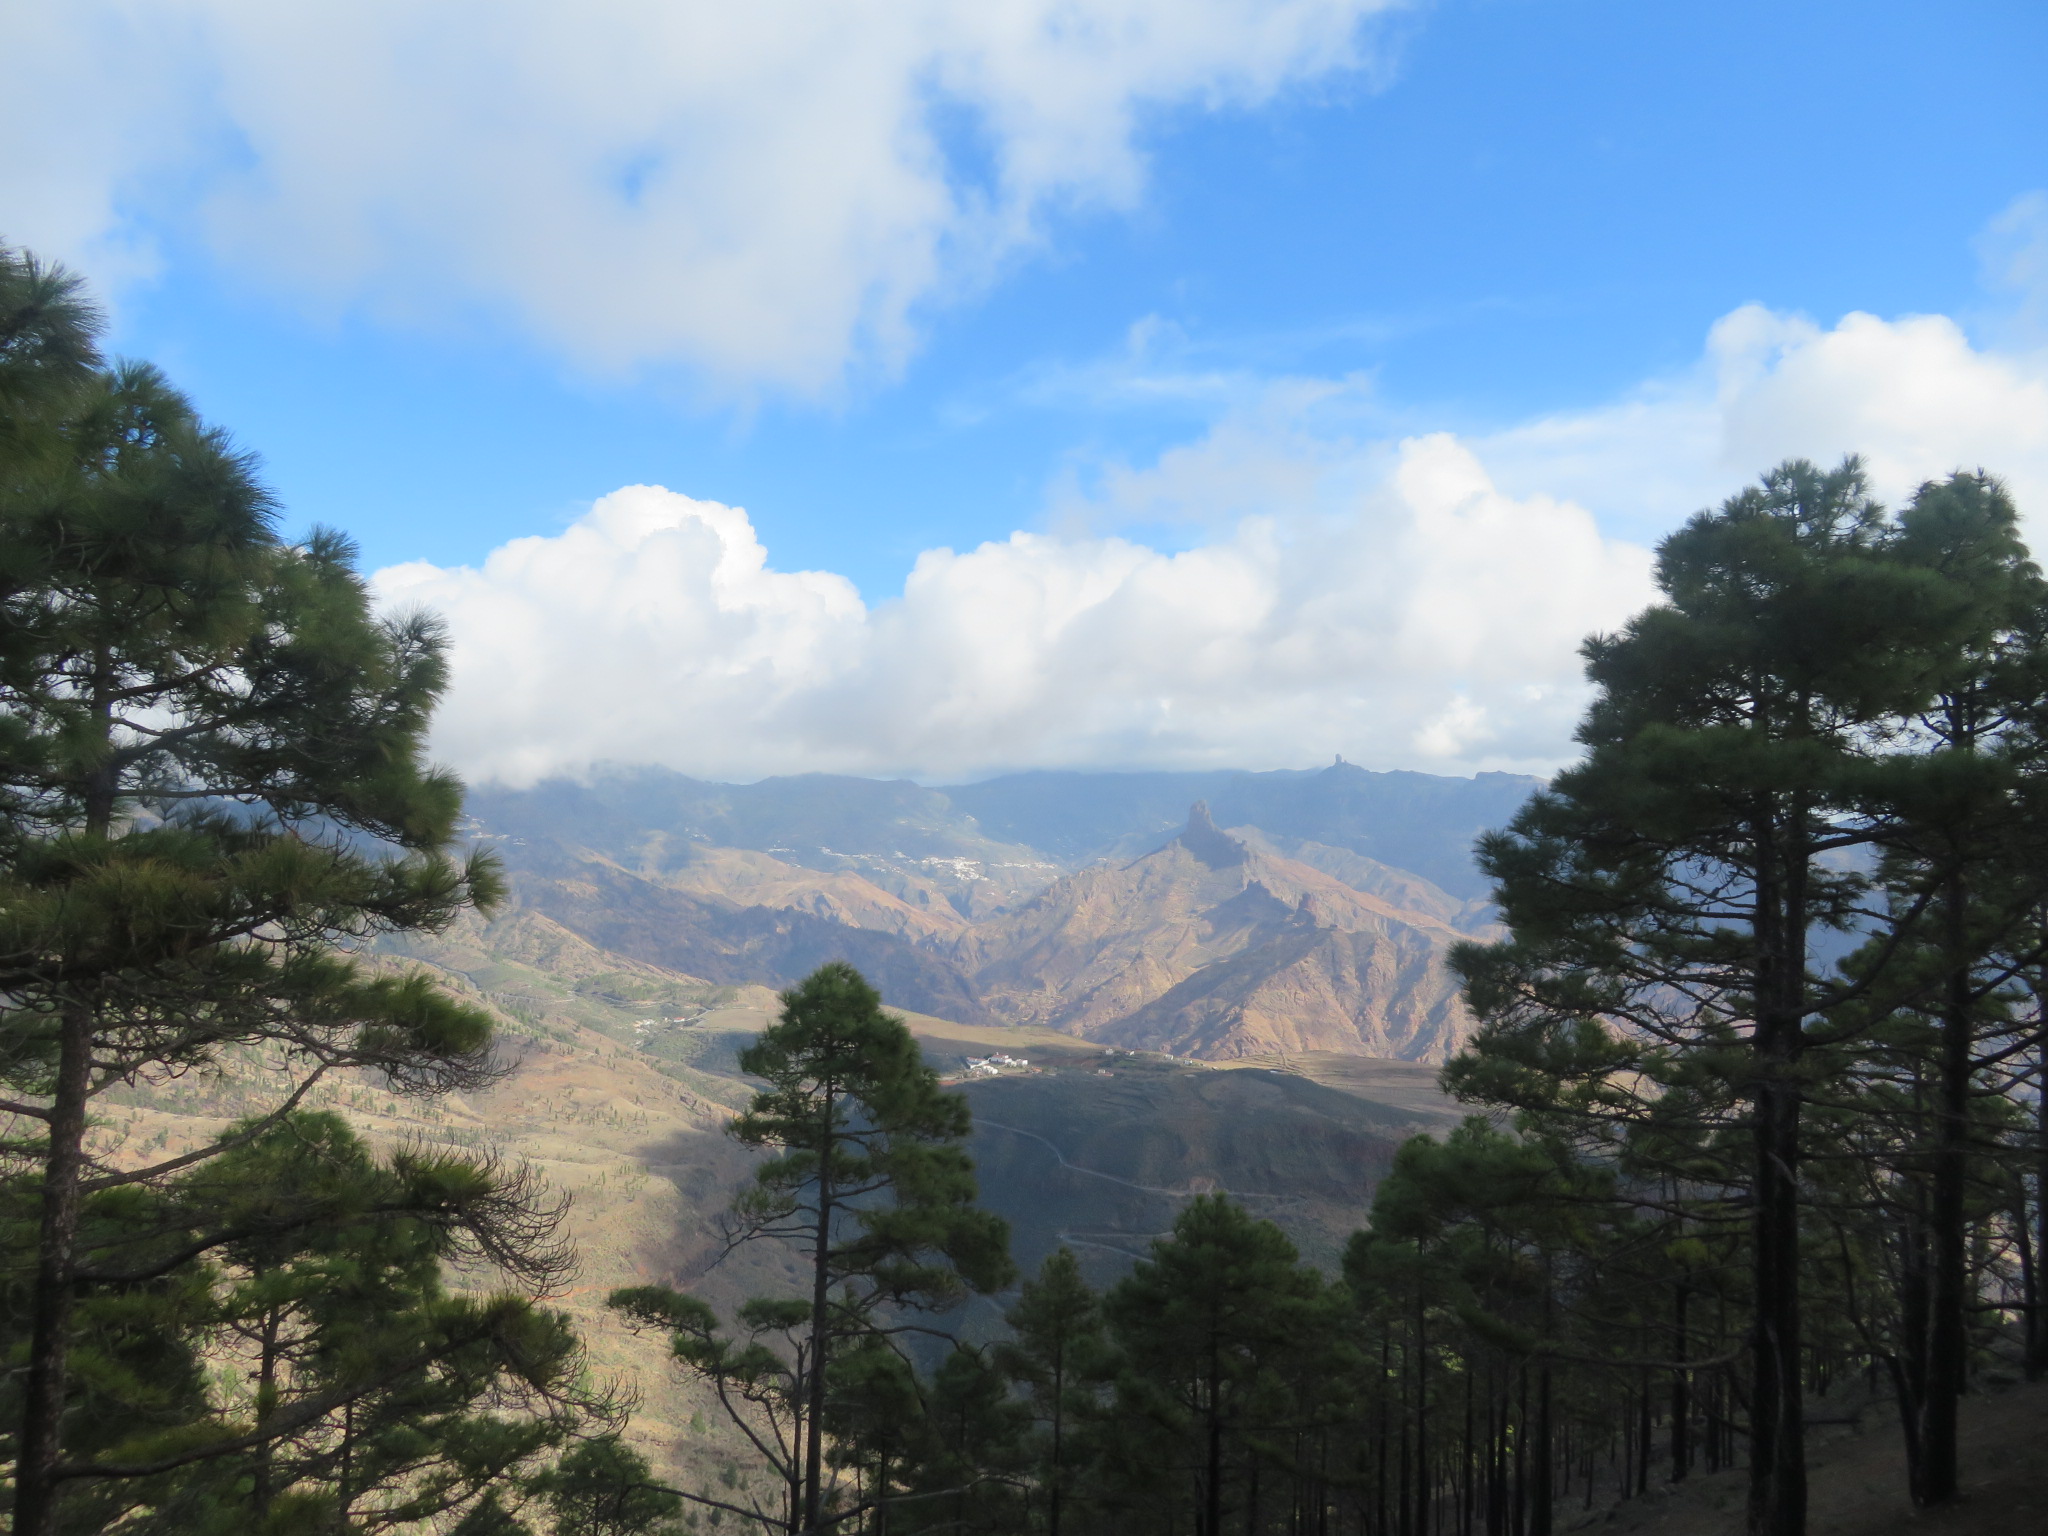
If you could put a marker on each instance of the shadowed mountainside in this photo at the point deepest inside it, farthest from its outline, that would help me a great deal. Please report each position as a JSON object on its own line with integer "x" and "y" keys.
{"x": 1104, "y": 1159}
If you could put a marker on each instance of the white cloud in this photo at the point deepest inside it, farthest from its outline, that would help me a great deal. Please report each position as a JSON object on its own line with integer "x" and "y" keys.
{"x": 761, "y": 190}
{"x": 1414, "y": 604}
{"x": 1913, "y": 396}
{"x": 1406, "y": 630}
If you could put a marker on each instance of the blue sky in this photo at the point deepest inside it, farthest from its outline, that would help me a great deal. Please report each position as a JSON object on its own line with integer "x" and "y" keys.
{"x": 1211, "y": 298}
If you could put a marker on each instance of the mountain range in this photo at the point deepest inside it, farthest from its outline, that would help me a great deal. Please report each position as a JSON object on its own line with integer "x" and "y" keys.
{"x": 1208, "y": 915}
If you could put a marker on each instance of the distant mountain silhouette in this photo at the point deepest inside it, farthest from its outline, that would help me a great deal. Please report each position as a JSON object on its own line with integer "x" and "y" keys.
{"x": 1412, "y": 821}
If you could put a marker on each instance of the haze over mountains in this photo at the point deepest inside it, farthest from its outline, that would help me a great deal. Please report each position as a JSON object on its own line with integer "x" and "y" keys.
{"x": 1212, "y": 915}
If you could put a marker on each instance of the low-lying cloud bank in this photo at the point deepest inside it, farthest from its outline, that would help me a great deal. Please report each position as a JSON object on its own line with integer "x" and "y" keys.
{"x": 1417, "y": 605}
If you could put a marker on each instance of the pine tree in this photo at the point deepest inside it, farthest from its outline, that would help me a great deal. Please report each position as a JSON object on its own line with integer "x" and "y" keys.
{"x": 878, "y": 1424}
{"x": 604, "y": 1488}
{"x": 969, "y": 1463}
{"x": 1971, "y": 844}
{"x": 1664, "y": 894}
{"x": 211, "y": 770}
{"x": 1060, "y": 1355}
{"x": 870, "y": 1179}
{"x": 349, "y": 1385}
{"x": 1210, "y": 1330}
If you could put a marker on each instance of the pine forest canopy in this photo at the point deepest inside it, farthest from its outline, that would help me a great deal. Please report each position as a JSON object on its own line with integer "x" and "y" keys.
{"x": 1758, "y": 1078}
{"x": 211, "y": 776}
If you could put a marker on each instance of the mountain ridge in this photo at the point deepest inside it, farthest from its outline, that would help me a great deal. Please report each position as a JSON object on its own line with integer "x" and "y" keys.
{"x": 1014, "y": 824}
{"x": 1213, "y": 941}
{"x": 1212, "y": 947}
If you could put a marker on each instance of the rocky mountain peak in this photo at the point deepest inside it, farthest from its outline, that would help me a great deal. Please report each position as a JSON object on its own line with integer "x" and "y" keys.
{"x": 1208, "y": 842}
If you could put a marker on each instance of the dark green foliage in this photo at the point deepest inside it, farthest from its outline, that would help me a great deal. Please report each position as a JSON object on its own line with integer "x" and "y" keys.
{"x": 941, "y": 1453}
{"x": 971, "y": 1471}
{"x": 267, "y": 1342}
{"x": 870, "y": 1179}
{"x": 489, "y": 1517}
{"x": 1825, "y": 739}
{"x": 1060, "y": 1355}
{"x": 1664, "y": 893}
{"x": 875, "y": 1419}
{"x": 212, "y": 769}
{"x": 1225, "y": 1342}
{"x": 604, "y": 1488}
{"x": 851, "y": 1112}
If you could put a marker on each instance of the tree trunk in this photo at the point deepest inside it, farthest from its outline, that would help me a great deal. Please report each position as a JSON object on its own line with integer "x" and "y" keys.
{"x": 1059, "y": 1405}
{"x": 1681, "y": 1396}
{"x": 2030, "y": 1284}
{"x": 1521, "y": 1498}
{"x": 1386, "y": 1380}
{"x": 266, "y": 1404}
{"x": 2037, "y": 1338}
{"x": 55, "y": 1289}
{"x": 1777, "y": 1447}
{"x": 50, "y": 1303}
{"x": 821, "y": 1279}
{"x": 1404, "y": 1493}
{"x": 1777, "y": 1463}
{"x": 1467, "y": 1475}
{"x": 1947, "y": 1334}
{"x": 1645, "y": 1436}
{"x": 1212, "y": 1488}
{"x": 1422, "y": 1489}
{"x": 344, "y": 1493}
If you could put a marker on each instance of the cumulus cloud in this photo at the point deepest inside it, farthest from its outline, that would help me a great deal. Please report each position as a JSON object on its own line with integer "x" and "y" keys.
{"x": 1410, "y": 604}
{"x": 1913, "y": 396}
{"x": 1407, "y": 630}
{"x": 767, "y": 191}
